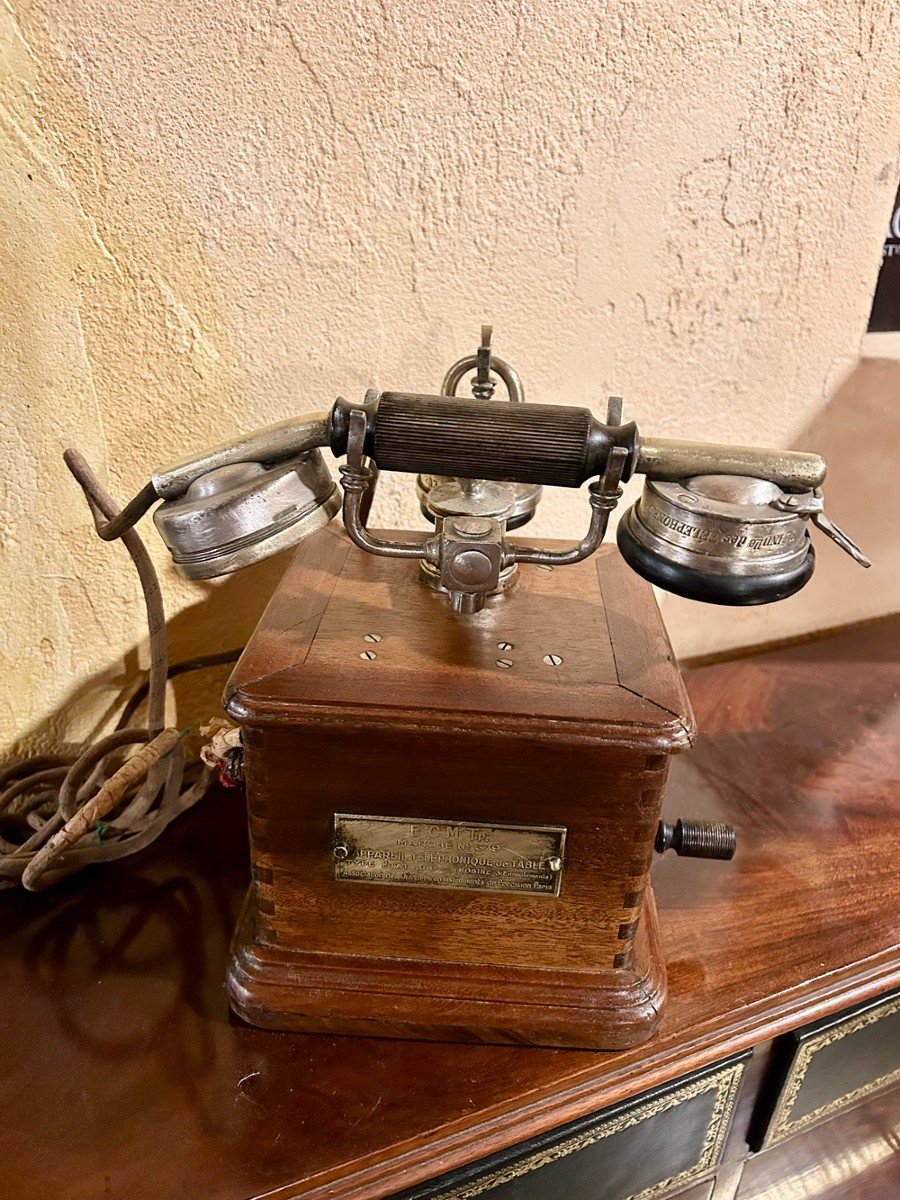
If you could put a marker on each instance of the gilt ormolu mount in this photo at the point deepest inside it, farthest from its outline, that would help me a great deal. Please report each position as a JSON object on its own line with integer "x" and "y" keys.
{"x": 455, "y": 745}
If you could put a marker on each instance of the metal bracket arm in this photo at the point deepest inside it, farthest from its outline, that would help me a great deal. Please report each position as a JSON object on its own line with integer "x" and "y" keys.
{"x": 358, "y": 481}
{"x": 604, "y": 496}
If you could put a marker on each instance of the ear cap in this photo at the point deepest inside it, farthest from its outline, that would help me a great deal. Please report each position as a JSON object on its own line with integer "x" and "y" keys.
{"x": 718, "y": 539}
{"x": 240, "y": 513}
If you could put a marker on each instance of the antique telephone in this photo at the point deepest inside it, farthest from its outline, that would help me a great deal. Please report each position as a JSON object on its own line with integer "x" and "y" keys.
{"x": 722, "y": 524}
{"x": 453, "y": 806}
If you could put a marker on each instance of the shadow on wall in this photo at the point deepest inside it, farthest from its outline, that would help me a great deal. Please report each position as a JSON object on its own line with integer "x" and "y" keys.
{"x": 859, "y": 436}
{"x": 223, "y": 617}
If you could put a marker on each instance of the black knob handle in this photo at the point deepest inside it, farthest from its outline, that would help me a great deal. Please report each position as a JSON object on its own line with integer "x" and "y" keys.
{"x": 696, "y": 839}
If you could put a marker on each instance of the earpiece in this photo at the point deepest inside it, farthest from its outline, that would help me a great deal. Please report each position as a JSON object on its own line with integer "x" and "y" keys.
{"x": 717, "y": 538}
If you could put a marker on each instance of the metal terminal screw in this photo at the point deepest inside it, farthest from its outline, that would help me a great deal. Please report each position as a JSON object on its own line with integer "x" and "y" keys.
{"x": 234, "y": 765}
{"x": 506, "y": 646}
{"x": 368, "y": 655}
{"x": 483, "y": 384}
{"x": 372, "y": 637}
{"x": 504, "y": 662}
{"x": 341, "y": 851}
{"x": 554, "y": 864}
{"x": 552, "y": 660}
{"x": 696, "y": 839}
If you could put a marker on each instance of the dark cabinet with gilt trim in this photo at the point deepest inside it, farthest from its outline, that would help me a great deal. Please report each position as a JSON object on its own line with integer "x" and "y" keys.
{"x": 828, "y": 1066}
{"x": 645, "y": 1148}
{"x": 659, "y": 1143}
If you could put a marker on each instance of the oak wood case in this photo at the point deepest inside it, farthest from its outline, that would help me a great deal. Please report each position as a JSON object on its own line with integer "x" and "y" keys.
{"x": 426, "y": 722}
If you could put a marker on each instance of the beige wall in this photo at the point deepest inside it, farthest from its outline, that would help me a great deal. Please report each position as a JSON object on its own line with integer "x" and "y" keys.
{"x": 216, "y": 214}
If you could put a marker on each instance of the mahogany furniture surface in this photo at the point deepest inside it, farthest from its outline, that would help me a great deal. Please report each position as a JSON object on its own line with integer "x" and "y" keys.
{"x": 422, "y": 722}
{"x": 123, "y": 1073}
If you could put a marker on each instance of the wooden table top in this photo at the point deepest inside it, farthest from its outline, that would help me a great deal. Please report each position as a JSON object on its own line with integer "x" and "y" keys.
{"x": 122, "y": 1073}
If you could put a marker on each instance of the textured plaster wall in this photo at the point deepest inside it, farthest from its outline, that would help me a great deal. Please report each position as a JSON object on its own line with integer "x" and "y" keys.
{"x": 217, "y": 214}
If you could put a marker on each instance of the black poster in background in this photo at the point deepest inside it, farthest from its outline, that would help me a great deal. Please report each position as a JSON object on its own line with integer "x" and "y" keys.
{"x": 885, "y": 316}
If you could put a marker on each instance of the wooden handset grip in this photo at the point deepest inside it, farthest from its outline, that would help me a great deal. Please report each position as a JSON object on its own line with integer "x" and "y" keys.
{"x": 521, "y": 443}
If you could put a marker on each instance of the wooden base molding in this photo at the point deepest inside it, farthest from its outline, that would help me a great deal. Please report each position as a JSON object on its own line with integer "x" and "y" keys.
{"x": 312, "y": 991}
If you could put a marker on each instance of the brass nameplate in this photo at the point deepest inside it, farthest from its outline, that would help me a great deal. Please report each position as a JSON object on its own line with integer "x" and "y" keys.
{"x": 418, "y": 852}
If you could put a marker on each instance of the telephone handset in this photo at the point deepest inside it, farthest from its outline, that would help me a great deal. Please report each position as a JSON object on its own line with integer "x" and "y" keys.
{"x": 718, "y": 523}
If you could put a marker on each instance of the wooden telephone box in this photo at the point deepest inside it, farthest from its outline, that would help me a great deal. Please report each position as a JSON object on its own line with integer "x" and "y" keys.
{"x": 452, "y": 820}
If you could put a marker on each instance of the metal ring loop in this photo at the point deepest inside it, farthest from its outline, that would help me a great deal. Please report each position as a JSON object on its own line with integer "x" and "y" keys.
{"x": 515, "y": 389}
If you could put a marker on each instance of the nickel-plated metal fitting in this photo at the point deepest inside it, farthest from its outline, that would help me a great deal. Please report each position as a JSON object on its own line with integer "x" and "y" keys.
{"x": 727, "y": 524}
